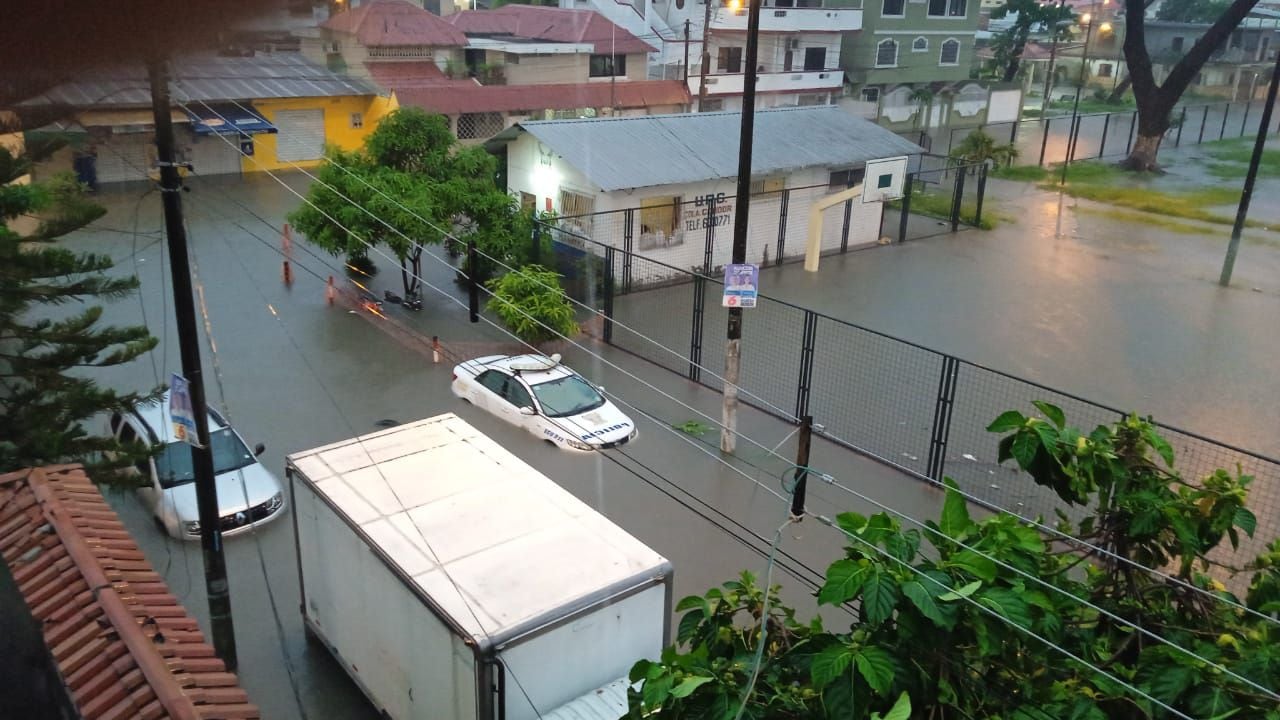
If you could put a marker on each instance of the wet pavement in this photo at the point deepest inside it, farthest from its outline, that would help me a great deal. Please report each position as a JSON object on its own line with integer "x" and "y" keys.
{"x": 1125, "y": 313}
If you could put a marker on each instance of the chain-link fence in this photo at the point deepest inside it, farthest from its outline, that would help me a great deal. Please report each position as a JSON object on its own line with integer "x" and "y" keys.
{"x": 1047, "y": 141}
{"x": 917, "y": 409}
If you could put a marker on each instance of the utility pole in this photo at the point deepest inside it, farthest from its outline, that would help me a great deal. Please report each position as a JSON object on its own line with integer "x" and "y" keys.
{"x": 1229, "y": 264}
{"x": 184, "y": 309}
{"x": 1053, "y": 53}
{"x": 1073, "y": 132}
{"x": 687, "y": 23}
{"x": 802, "y": 467}
{"x": 706, "y": 53}
{"x": 742, "y": 211}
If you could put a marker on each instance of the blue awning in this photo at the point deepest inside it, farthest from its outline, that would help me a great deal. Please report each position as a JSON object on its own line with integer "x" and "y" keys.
{"x": 216, "y": 119}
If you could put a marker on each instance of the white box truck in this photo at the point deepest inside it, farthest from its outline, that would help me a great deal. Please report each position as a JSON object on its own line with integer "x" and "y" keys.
{"x": 452, "y": 580}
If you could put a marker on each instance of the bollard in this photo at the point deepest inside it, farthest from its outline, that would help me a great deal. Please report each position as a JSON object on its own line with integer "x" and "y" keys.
{"x": 435, "y": 348}
{"x": 286, "y": 242}
{"x": 287, "y": 273}
{"x": 330, "y": 292}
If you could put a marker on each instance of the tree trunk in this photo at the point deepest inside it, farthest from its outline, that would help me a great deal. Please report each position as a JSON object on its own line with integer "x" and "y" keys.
{"x": 1119, "y": 90}
{"x": 1142, "y": 158}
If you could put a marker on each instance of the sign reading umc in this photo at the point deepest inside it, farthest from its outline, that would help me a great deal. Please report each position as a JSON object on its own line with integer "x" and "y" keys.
{"x": 708, "y": 211}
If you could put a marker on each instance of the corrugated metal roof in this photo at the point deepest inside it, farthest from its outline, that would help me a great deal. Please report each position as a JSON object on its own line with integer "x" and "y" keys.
{"x": 655, "y": 150}
{"x": 124, "y": 645}
{"x": 478, "y": 529}
{"x": 456, "y": 97}
{"x": 207, "y": 79}
{"x": 553, "y": 24}
{"x": 606, "y": 703}
{"x": 392, "y": 23}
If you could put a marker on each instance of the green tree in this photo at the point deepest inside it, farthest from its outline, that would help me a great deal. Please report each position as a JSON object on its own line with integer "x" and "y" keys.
{"x": 1031, "y": 14}
{"x": 1155, "y": 103}
{"x": 951, "y": 625}
{"x": 979, "y": 147}
{"x": 532, "y": 304}
{"x": 45, "y": 399}
{"x": 416, "y": 185}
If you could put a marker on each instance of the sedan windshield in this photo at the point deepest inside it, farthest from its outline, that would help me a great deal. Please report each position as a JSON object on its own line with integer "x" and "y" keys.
{"x": 173, "y": 464}
{"x": 569, "y": 395}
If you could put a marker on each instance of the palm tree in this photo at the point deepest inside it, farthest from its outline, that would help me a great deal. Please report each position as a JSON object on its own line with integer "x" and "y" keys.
{"x": 980, "y": 148}
{"x": 923, "y": 98}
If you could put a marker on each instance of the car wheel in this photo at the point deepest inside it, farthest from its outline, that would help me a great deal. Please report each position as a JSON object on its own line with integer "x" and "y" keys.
{"x": 552, "y": 444}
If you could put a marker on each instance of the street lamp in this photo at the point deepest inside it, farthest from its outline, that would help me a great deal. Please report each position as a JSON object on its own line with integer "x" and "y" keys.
{"x": 1072, "y": 134}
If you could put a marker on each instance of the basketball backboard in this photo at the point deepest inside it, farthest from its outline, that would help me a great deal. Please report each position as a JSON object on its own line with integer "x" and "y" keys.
{"x": 884, "y": 179}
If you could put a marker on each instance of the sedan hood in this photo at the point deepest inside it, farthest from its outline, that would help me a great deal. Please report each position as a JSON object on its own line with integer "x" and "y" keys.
{"x": 605, "y": 424}
{"x": 258, "y": 484}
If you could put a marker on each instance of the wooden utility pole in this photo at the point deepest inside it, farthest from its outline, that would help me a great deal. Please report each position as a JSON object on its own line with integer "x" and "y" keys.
{"x": 706, "y": 54}
{"x": 687, "y": 23}
{"x": 184, "y": 310}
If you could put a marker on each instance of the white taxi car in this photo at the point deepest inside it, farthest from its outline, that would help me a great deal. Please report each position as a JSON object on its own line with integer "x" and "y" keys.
{"x": 546, "y": 398}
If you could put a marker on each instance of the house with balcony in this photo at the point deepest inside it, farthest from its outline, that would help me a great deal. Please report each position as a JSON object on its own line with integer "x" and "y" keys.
{"x": 357, "y": 40}
{"x": 799, "y": 51}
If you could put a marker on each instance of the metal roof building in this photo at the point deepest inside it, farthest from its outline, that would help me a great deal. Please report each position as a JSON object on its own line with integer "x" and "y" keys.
{"x": 656, "y": 150}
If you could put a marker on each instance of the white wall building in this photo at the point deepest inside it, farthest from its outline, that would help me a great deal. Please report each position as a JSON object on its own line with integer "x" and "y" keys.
{"x": 591, "y": 172}
{"x": 799, "y": 53}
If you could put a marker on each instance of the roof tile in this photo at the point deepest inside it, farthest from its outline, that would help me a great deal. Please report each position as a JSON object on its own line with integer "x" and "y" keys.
{"x": 100, "y": 604}
{"x": 552, "y": 24}
{"x": 390, "y": 23}
{"x": 454, "y": 99}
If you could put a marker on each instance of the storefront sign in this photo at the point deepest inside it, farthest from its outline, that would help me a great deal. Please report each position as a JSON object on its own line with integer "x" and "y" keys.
{"x": 708, "y": 211}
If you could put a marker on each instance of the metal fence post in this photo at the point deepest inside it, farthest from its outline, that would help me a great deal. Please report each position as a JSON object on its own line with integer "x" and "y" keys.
{"x": 1044, "y": 140}
{"x": 1245, "y": 122}
{"x": 844, "y": 229}
{"x": 535, "y": 244}
{"x": 957, "y": 197}
{"x": 907, "y": 184}
{"x": 937, "y": 459}
{"x": 1182, "y": 122}
{"x": 1203, "y": 122}
{"x": 628, "y": 246}
{"x": 782, "y": 226}
{"x": 707, "y": 257}
{"x": 695, "y": 328}
{"x": 473, "y": 287}
{"x": 982, "y": 191}
{"x": 1106, "y": 125}
{"x": 808, "y": 340}
{"x": 1133, "y": 123}
{"x": 1226, "y": 112}
{"x": 609, "y": 253}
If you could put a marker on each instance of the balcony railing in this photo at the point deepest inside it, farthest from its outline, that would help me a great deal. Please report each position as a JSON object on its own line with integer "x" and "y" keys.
{"x": 789, "y": 19}
{"x": 796, "y": 81}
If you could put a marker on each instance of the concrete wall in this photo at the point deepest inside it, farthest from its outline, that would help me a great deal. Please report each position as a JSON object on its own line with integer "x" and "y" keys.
{"x": 859, "y": 51}
{"x": 546, "y": 69}
{"x": 338, "y": 130}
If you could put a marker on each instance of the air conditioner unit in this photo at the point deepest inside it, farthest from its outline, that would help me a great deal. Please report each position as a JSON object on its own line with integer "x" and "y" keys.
{"x": 793, "y": 43}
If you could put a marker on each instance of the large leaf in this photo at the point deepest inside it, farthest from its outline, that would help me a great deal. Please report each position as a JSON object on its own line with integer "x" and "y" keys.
{"x": 829, "y": 665}
{"x": 875, "y": 665}
{"x": 689, "y": 625}
{"x": 973, "y": 563}
{"x": 1052, "y": 412}
{"x": 901, "y": 710}
{"x": 688, "y": 685}
{"x": 844, "y": 580}
{"x": 962, "y": 592}
{"x": 955, "y": 520}
{"x": 879, "y": 596}
{"x": 1211, "y": 701}
{"x": 656, "y": 691}
{"x": 926, "y": 603}
{"x": 1025, "y": 445}
{"x": 1008, "y": 420}
{"x": 691, "y": 602}
{"x": 1245, "y": 520}
{"x": 1007, "y": 604}
{"x": 1167, "y": 683}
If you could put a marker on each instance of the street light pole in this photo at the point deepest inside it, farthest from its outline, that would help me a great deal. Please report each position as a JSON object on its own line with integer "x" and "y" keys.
{"x": 1228, "y": 265}
{"x": 1053, "y": 54}
{"x": 1072, "y": 134}
{"x": 741, "y": 212}
{"x": 184, "y": 310}
{"x": 706, "y": 54}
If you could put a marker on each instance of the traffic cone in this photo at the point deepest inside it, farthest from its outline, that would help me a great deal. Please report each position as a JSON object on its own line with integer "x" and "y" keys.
{"x": 330, "y": 292}
{"x": 287, "y": 273}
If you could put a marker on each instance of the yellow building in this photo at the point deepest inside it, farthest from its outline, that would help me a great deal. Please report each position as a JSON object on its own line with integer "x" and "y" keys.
{"x": 231, "y": 116}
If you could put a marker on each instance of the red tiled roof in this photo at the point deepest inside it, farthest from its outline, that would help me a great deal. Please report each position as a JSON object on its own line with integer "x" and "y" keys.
{"x": 535, "y": 22}
{"x": 385, "y": 23}
{"x": 454, "y": 99}
{"x": 124, "y": 645}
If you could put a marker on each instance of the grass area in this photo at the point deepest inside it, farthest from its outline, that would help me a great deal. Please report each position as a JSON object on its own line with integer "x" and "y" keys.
{"x": 1093, "y": 105}
{"x": 1233, "y": 160}
{"x": 1141, "y": 218}
{"x": 1023, "y": 173}
{"x": 938, "y": 205}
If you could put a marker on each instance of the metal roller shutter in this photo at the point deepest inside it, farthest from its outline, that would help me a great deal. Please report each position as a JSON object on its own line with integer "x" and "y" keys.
{"x": 216, "y": 155}
{"x": 125, "y": 157}
{"x": 300, "y": 135}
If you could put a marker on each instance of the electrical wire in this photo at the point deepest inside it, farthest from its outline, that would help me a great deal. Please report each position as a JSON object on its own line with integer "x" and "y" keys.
{"x": 1024, "y": 630}
{"x": 764, "y": 620}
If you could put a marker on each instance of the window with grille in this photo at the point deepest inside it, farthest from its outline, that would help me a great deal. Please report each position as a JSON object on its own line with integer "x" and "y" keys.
{"x": 950, "y": 52}
{"x": 608, "y": 66}
{"x": 812, "y": 99}
{"x": 480, "y": 126}
{"x": 573, "y": 204}
{"x": 357, "y": 120}
{"x": 511, "y": 58}
{"x": 887, "y": 53}
{"x": 729, "y": 59}
{"x": 711, "y": 105}
{"x": 871, "y": 94}
{"x": 841, "y": 179}
{"x": 660, "y": 215}
{"x": 1104, "y": 70}
{"x": 948, "y": 8}
{"x": 894, "y": 8}
{"x": 768, "y": 185}
{"x": 920, "y": 44}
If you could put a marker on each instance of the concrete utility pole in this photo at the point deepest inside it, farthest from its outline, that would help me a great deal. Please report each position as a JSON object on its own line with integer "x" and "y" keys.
{"x": 1229, "y": 264}
{"x": 706, "y": 54}
{"x": 733, "y": 345}
{"x": 184, "y": 310}
{"x": 687, "y": 23}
